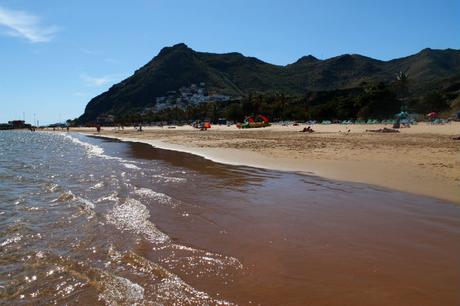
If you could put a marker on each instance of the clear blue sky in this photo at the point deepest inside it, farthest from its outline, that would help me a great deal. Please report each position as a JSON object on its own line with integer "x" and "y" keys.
{"x": 57, "y": 55}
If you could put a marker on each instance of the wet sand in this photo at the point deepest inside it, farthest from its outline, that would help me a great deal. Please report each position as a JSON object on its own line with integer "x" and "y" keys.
{"x": 422, "y": 159}
{"x": 304, "y": 240}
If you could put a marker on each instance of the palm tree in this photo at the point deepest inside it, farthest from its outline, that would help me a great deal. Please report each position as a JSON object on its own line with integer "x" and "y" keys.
{"x": 402, "y": 79}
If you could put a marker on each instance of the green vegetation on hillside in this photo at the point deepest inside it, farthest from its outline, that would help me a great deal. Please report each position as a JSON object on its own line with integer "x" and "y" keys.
{"x": 368, "y": 101}
{"x": 347, "y": 86}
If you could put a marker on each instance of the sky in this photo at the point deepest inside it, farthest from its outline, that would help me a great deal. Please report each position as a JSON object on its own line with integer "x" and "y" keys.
{"x": 57, "y": 55}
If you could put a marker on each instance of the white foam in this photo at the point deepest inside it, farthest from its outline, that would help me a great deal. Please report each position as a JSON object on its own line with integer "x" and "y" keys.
{"x": 112, "y": 197}
{"x": 97, "y": 186}
{"x": 51, "y": 187}
{"x": 157, "y": 196}
{"x": 91, "y": 149}
{"x": 88, "y": 204}
{"x": 96, "y": 151}
{"x": 133, "y": 216}
{"x": 11, "y": 240}
{"x": 131, "y": 166}
{"x": 170, "y": 179}
{"x": 121, "y": 291}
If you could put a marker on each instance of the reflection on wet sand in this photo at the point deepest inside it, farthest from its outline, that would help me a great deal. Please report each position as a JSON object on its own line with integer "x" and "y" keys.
{"x": 308, "y": 240}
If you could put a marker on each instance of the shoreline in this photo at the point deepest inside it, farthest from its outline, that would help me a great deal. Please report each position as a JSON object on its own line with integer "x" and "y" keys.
{"x": 398, "y": 175}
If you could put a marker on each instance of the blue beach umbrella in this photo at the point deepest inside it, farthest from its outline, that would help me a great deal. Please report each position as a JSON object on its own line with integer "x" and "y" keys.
{"x": 402, "y": 115}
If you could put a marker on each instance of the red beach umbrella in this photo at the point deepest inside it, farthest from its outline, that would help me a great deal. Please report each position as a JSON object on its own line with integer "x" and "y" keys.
{"x": 265, "y": 119}
{"x": 432, "y": 115}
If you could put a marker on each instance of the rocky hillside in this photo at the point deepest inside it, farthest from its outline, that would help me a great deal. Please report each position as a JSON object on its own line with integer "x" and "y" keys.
{"x": 235, "y": 75}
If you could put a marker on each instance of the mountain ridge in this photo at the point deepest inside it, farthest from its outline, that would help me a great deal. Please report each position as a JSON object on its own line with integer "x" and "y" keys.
{"x": 234, "y": 74}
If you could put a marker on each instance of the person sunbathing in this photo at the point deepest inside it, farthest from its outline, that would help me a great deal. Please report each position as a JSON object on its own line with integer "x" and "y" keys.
{"x": 307, "y": 130}
{"x": 384, "y": 130}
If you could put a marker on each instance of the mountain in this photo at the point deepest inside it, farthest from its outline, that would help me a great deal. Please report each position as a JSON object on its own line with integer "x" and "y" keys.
{"x": 236, "y": 75}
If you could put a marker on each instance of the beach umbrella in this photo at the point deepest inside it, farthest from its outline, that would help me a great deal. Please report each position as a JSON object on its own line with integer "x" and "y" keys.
{"x": 264, "y": 119}
{"x": 402, "y": 115}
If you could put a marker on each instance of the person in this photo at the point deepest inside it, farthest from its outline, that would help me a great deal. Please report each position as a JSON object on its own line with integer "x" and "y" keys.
{"x": 140, "y": 128}
{"x": 68, "y": 129}
{"x": 384, "y": 130}
{"x": 307, "y": 130}
{"x": 98, "y": 128}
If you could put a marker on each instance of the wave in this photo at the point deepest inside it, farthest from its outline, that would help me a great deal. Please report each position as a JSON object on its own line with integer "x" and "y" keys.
{"x": 11, "y": 240}
{"x": 121, "y": 291}
{"x": 133, "y": 216}
{"x": 157, "y": 196}
{"x": 91, "y": 149}
{"x": 131, "y": 166}
{"x": 97, "y": 186}
{"x": 170, "y": 179}
{"x": 65, "y": 197}
{"x": 96, "y": 151}
{"x": 85, "y": 205}
{"x": 51, "y": 187}
{"x": 169, "y": 288}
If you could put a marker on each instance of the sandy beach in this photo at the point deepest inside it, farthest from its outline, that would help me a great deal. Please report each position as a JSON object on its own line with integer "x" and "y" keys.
{"x": 422, "y": 159}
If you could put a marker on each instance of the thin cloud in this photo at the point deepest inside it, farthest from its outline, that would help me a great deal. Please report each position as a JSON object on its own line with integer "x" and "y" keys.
{"x": 25, "y": 25}
{"x": 89, "y": 52}
{"x": 100, "y": 81}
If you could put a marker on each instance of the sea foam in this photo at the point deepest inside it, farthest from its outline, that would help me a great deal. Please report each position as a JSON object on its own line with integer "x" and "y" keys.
{"x": 157, "y": 196}
{"x": 133, "y": 216}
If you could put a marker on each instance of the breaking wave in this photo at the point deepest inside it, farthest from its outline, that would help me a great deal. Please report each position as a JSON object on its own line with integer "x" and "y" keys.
{"x": 97, "y": 151}
{"x": 91, "y": 149}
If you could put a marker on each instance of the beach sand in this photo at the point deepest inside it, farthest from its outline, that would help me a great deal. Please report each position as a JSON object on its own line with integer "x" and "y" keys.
{"x": 422, "y": 159}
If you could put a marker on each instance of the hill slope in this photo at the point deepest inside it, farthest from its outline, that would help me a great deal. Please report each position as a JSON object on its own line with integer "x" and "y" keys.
{"x": 235, "y": 75}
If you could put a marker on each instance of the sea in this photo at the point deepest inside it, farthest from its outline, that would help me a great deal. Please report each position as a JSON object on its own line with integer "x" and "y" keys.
{"x": 95, "y": 221}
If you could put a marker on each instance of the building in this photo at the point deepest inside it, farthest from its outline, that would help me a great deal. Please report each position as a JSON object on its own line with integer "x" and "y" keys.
{"x": 6, "y": 126}
{"x": 19, "y": 124}
{"x": 185, "y": 96}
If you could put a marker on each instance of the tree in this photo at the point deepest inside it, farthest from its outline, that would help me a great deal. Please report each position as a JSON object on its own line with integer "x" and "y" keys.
{"x": 377, "y": 102}
{"x": 234, "y": 112}
{"x": 402, "y": 81}
{"x": 433, "y": 102}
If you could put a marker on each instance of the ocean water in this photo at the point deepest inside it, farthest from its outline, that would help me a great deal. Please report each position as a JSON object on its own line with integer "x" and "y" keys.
{"x": 92, "y": 221}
